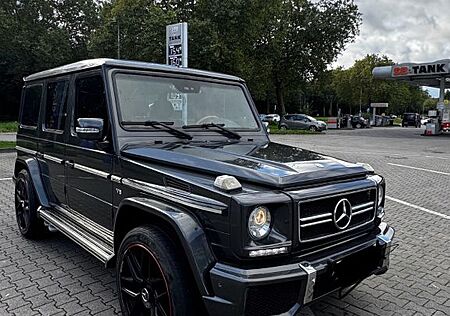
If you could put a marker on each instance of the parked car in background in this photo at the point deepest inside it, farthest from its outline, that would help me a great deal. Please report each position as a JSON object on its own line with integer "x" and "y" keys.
{"x": 359, "y": 122}
{"x": 411, "y": 119}
{"x": 272, "y": 118}
{"x": 445, "y": 126}
{"x": 302, "y": 121}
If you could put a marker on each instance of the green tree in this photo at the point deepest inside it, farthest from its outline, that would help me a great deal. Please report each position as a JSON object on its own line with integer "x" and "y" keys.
{"x": 356, "y": 87}
{"x": 302, "y": 38}
{"x": 36, "y": 35}
{"x": 276, "y": 45}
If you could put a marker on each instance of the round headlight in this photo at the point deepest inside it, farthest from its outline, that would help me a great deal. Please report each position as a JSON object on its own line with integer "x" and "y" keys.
{"x": 259, "y": 222}
{"x": 380, "y": 195}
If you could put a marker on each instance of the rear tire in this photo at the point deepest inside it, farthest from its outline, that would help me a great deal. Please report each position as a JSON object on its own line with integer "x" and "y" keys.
{"x": 152, "y": 277}
{"x": 26, "y": 204}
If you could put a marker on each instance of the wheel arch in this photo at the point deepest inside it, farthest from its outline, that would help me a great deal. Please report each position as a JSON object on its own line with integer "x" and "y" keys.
{"x": 32, "y": 166}
{"x": 181, "y": 227}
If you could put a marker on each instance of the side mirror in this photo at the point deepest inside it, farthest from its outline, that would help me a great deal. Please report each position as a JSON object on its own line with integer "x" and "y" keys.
{"x": 90, "y": 128}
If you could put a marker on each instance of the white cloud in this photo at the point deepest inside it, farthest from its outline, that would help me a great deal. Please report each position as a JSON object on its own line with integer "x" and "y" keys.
{"x": 404, "y": 30}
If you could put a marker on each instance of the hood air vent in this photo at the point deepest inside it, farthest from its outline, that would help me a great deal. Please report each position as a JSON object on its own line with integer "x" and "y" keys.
{"x": 175, "y": 184}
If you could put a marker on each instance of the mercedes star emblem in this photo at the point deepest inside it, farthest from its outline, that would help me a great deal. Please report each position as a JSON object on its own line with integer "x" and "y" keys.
{"x": 342, "y": 215}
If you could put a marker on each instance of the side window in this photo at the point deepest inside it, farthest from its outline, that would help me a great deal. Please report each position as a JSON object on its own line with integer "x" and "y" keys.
{"x": 31, "y": 105}
{"x": 55, "y": 106}
{"x": 90, "y": 100}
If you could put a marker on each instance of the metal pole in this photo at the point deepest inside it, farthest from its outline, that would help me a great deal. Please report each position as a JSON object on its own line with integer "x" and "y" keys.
{"x": 118, "y": 40}
{"x": 442, "y": 90}
{"x": 360, "y": 99}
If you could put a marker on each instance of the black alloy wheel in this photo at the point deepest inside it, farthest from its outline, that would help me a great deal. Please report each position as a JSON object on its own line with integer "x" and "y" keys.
{"x": 143, "y": 284}
{"x": 30, "y": 225}
{"x": 152, "y": 275}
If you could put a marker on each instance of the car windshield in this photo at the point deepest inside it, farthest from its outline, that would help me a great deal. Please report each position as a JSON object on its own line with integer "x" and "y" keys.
{"x": 182, "y": 102}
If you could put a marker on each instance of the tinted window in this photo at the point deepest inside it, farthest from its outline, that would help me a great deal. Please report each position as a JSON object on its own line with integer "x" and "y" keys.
{"x": 55, "y": 105}
{"x": 31, "y": 105}
{"x": 182, "y": 101}
{"x": 90, "y": 99}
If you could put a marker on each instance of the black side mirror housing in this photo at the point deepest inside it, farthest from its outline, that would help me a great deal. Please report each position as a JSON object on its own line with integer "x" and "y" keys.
{"x": 89, "y": 128}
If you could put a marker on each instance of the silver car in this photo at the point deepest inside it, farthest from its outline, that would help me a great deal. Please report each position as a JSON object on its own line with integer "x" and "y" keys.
{"x": 302, "y": 121}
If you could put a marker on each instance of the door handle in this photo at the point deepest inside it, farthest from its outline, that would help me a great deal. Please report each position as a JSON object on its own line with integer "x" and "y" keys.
{"x": 69, "y": 163}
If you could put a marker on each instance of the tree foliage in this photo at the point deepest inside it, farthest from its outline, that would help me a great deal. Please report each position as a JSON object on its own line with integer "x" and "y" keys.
{"x": 277, "y": 45}
{"x": 40, "y": 34}
{"x": 356, "y": 86}
{"x": 282, "y": 48}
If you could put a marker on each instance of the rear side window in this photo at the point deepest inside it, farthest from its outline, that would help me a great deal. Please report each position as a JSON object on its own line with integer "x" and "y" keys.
{"x": 55, "y": 107}
{"x": 31, "y": 105}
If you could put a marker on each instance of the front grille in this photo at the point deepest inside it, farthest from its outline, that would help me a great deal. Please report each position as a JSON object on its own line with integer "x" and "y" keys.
{"x": 316, "y": 215}
{"x": 272, "y": 299}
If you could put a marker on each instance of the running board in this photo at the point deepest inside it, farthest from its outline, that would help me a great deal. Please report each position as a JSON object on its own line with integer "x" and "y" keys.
{"x": 85, "y": 239}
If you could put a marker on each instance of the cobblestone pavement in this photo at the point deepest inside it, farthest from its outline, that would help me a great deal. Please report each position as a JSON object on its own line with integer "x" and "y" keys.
{"x": 57, "y": 277}
{"x": 418, "y": 282}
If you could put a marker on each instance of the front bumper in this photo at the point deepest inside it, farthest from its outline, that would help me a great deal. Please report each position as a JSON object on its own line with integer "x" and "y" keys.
{"x": 285, "y": 289}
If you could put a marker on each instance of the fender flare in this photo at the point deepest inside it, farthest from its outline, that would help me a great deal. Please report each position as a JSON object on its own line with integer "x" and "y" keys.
{"x": 34, "y": 171}
{"x": 189, "y": 233}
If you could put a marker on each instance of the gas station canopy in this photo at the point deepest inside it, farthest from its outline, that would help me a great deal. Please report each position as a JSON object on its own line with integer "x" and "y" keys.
{"x": 434, "y": 74}
{"x": 425, "y": 74}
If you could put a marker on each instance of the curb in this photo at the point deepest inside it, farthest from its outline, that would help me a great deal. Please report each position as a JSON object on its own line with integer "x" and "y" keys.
{"x": 7, "y": 150}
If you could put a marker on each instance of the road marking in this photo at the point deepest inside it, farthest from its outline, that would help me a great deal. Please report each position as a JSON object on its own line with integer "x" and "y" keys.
{"x": 420, "y": 208}
{"x": 443, "y": 158}
{"x": 5, "y": 179}
{"x": 421, "y": 169}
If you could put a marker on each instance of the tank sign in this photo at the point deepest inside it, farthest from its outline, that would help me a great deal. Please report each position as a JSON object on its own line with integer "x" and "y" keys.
{"x": 439, "y": 68}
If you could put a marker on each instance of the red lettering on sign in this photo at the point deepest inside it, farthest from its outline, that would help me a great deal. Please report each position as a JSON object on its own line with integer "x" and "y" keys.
{"x": 401, "y": 71}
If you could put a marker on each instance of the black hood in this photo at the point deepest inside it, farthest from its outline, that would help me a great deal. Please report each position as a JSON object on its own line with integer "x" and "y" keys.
{"x": 270, "y": 164}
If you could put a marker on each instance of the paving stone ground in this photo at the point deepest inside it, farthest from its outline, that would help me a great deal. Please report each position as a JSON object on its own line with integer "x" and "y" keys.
{"x": 56, "y": 277}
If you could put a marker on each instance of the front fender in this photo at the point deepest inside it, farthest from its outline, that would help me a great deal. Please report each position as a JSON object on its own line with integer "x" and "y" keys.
{"x": 32, "y": 165}
{"x": 189, "y": 233}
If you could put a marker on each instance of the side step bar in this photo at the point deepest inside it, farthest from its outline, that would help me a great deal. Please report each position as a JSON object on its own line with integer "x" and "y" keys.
{"x": 88, "y": 241}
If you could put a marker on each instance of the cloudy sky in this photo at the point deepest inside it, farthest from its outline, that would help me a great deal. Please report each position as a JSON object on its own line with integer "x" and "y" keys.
{"x": 404, "y": 30}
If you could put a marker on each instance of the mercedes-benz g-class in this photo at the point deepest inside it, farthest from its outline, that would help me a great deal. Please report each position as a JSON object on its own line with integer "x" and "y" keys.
{"x": 168, "y": 174}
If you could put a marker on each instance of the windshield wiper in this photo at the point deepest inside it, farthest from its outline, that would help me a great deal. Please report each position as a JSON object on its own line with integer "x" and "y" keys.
{"x": 166, "y": 125}
{"x": 220, "y": 129}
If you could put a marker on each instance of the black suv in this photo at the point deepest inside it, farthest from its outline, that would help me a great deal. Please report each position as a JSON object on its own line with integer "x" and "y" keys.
{"x": 411, "y": 119}
{"x": 169, "y": 175}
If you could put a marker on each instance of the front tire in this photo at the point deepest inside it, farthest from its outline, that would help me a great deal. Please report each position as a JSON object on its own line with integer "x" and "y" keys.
{"x": 358, "y": 125}
{"x": 313, "y": 128}
{"x": 283, "y": 127}
{"x": 26, "y": 204}
{"x": 152, "y": 278}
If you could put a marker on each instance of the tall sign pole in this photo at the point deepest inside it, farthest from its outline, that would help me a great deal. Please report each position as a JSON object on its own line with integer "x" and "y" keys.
{"x": 177, "y": 45}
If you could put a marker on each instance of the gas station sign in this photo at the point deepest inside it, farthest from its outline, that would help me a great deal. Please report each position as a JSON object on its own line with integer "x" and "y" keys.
{"x": 436, "y": 68}
{"x": 177, "y": 45}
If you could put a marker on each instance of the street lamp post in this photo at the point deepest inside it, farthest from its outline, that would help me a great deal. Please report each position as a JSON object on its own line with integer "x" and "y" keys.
{"x": 118, "y": 40}
{"x": 115, "y": 20}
